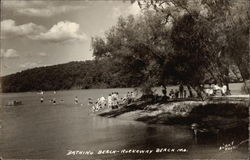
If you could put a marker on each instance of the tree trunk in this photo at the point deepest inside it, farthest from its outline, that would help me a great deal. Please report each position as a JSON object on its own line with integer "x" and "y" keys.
{"x": 190, "y": 91}
{"x": 200, "y": 92}
{"x": 163, "y": 77}
{"x": 244, "y": 71}
{"x": 247, "y": 85}
{"x": 235, "y": 73}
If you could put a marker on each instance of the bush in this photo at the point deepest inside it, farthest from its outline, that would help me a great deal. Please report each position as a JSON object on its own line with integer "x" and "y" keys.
{"x": 245, "y": 89}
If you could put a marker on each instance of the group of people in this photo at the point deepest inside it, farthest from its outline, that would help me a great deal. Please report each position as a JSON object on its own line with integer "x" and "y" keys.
{"x": 112, "y": 101}
{"x": 214, "y": 88}
{"x": 53, "y": 100}
{"x": 177, "y": 93}
{"x": 211, "y": 90}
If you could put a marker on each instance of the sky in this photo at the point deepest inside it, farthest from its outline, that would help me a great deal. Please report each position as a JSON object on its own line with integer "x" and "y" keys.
{"x": 41, "y": 33}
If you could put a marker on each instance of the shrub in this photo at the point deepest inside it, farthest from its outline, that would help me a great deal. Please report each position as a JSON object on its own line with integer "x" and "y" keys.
{"x": 245, "y": 89}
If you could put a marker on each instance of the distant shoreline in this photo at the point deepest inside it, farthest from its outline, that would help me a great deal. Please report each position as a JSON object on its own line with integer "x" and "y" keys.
{"x": 170, "y": 85}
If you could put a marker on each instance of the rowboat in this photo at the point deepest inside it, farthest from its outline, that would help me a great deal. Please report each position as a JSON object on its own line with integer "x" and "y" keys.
{"x": 14, "y": 103}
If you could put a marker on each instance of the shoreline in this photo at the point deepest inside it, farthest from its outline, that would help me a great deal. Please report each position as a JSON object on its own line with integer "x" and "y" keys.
{"x": 219, "y": 112}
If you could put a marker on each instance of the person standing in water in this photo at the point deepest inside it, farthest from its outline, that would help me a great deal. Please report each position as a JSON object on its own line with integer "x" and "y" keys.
{"x": 76, "y": 100}
{"x": 41, "y": 99}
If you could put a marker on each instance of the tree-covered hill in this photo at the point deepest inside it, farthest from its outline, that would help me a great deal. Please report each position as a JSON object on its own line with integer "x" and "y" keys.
{"x": 78, "y": 75}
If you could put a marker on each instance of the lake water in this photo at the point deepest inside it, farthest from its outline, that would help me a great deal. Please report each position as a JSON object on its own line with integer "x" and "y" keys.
{"x": 46, "y": 131}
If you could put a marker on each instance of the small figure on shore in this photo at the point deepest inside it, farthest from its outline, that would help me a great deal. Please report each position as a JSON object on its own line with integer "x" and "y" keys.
{"x": 176, "y": 93}
{"x": 117, "y": 96}
{"x": 76, "y": 100}
{"x": 54, "y": 92}
{"x": 95, "y": 107}
{"x": 215, "y": 88}
{"x": 129, "y": 97}
{"x": 164, "y": 91}
{"x": 181, "y": 89}
{"x": 102, "y": 102}
{"x": 41, "y": 99}
{"x": 115, "y": 100}
{"x": 171, "y": 93}
{"x": 223, "y": 90}
{"x": 109, "y": 99}
{"x": 209, "y": 91}
{"x": 185, "y": 93}
{"x": 133, "y": 96}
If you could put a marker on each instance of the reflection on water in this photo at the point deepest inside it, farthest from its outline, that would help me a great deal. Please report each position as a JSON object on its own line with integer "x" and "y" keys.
{"x": 36, "y": 130}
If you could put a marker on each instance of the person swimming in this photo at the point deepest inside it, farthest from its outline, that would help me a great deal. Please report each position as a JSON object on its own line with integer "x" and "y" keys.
{"x": 54, "y": 100}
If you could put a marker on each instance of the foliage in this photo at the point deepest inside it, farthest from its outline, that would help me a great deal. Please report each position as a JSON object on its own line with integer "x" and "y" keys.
{"x": 207, "y": 37}
{"x": 139, "y": 44}
{"x": 73, "y": 75}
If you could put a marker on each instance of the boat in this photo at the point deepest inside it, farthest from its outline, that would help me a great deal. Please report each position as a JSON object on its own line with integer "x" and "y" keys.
{"x": 14, "y": 103}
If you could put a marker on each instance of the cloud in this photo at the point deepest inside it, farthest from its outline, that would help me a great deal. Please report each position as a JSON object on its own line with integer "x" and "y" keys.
{"x": 10, "y": 29}
{"x": 29, "y": 65}
{"x": 132, "y": 9}
{"x": 40, "y": 8}
{"x": 16, "y": 4}
{"x": 9, "y": 53}
{"x": 48, "y": 11}
{"x": 61, "y": 32}
{"x": 42, "y": 54}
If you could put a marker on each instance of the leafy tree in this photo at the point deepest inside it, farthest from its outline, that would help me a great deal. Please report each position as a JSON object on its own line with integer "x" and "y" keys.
{"x": 204, "y": 34}
{"x": 140, "y": 45}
